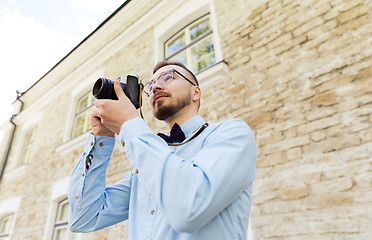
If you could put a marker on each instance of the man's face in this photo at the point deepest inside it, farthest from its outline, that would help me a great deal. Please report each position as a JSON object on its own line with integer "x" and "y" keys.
{"x": 165, "y": 101}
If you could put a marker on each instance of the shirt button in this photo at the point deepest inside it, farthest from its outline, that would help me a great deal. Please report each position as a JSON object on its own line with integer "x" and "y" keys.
{"x": 100, "y": 144}
{"x": 123, "y": 143}
{"x": 152, "y": 212}
{"x": 137, "y": 171}
{"x": 83, "y": 175}
{"x": 77, "y": 197}
{"x": 91, "y": 143}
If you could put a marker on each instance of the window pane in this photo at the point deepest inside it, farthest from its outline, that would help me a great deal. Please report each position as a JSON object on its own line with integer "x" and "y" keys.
{"x": 27, "y": 147}
{"x": 83, "y": 107}
{"x": 199, "y": 29}
{"x": 87, "y": 123}
{"x": 60, "y": 234}
{"x": 196, "y": 42}
{"x": 61, "y": 231}
{"x": 82, "y": 104}
{"x": 176, "y": 44}
{"x": 90, "y": 100}
{"x": 26, "y": 155}
{"x": 79, "y": 124}
{"x": 181, "y": 57}
{"x": 29, "y": 137}
{"x": 203, "y": 55}
{"x": 6, "y": 224}
{"x": 63, "y": 212}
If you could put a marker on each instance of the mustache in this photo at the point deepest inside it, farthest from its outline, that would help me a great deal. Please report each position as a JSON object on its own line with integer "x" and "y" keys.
{"x": 160, "y": 94}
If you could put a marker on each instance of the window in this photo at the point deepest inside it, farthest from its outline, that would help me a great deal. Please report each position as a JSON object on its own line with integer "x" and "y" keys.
{"x": 56, "y": 227}
{"x": 5, "y": 226}
{"x": 61, "y": 231}
{"x": 27, "y": 147}
{"x": 83, "y": 108}
{"x": 193, "y": 45}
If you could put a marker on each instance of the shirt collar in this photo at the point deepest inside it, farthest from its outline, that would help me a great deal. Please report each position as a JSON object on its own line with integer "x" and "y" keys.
{"x": 192, "y": 125}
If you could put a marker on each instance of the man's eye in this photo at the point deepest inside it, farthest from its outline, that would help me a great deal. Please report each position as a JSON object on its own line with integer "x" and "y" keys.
{"x": 167, "y": 77}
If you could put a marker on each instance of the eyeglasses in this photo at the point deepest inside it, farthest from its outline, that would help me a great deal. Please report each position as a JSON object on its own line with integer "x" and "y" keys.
{"x": 164, "y": 79}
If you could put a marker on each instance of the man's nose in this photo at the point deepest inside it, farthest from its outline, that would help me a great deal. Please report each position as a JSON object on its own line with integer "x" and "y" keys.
{"x": 156, "y": 87}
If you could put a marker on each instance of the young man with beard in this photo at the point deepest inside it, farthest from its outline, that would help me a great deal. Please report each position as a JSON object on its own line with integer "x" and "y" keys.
{"x": 197, "y": 185}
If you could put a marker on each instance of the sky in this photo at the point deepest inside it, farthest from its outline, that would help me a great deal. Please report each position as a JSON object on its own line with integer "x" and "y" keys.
{"x": 36, "y": 34}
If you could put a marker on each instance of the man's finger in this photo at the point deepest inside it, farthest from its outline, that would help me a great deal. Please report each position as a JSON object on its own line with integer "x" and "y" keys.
{"x": 118, "y": 90}
{"x": 94, "y": 111}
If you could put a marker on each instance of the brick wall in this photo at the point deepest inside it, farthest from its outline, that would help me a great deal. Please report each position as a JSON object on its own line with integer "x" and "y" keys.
{"x": 300, "y": 74}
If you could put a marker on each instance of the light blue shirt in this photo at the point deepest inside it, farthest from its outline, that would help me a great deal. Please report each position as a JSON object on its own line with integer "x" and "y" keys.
{"x": 199, "y": 190}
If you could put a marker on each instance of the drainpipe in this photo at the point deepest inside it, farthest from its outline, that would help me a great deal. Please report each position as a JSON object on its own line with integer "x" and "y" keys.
{"x": 19, "y": 94}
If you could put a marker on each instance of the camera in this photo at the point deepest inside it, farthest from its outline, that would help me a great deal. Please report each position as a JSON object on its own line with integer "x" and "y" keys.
{"x": 104, "y": 89}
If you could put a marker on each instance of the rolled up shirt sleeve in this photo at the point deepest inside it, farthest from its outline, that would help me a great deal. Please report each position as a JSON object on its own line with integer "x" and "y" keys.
{"x": 93, "y": 205}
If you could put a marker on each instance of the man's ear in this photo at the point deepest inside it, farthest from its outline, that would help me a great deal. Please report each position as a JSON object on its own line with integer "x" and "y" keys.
{"x": 197, "y": 94}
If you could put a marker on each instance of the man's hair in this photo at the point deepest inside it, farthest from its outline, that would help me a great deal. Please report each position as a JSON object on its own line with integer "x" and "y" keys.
{"x": 170, "y": 62}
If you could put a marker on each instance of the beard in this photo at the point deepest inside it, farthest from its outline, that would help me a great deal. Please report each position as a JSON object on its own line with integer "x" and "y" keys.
{"x": 163, "y": 110}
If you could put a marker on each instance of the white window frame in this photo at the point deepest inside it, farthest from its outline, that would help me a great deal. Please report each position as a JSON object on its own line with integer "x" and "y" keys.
{"x": 250, "y": 232}
{"x": 61, "y": 224}
{"x": 9, "y": 207}
{"x": 25, "y": 145}
{"x": 32, "y": 123}
{"x": 59, "y": 194}
{"x": 71, "y": 143}
{"x": 190, "y": 43}
{"x": 88, "y": 94}
{"x": 15, "y": 168}
{"x": 187, "y": 13}
{"x": 10, "y": 218}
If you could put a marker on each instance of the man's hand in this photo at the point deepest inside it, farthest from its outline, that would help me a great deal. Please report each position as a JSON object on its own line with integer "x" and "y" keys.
{"x": 98, "y": 128}
{"x": 112, "y": 113}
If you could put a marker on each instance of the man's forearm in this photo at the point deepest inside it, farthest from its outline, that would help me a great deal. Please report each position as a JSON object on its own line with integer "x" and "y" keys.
{"x": 87, "y": 190}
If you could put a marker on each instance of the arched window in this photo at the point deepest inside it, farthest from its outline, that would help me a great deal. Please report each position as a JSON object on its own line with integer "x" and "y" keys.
{"x": 61, "y": 231}
{"x": 193, "y": 45}
{"x": 6, "y": 226}
{"x": 27, "y": 147}
{"x": 81, "y": 120}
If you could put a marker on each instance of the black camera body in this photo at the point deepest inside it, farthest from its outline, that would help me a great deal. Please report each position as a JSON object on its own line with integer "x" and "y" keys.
{"x": 132, "y": 87}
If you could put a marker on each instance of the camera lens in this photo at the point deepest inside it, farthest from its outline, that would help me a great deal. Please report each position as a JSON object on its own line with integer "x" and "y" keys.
{"x": 97, "y": 88}
{"x": 104, "y": 89}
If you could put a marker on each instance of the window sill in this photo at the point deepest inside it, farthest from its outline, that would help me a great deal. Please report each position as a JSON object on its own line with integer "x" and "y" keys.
{"x": 16, "y": 172}
{"x": 212, "y": 74}
{"x": 73, "y": 144}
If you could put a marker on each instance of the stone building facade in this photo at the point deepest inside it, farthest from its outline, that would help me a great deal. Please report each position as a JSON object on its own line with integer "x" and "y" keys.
{"x": 299, "y": 72}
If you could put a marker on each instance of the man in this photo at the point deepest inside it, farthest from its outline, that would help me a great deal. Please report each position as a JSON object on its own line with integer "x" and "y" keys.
{"x": 199, "y": 188}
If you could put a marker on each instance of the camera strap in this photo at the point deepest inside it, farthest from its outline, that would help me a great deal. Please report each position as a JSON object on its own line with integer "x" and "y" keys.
{"x": 140, "y": 100}
{"x": 205, "y": 125}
